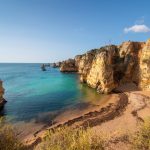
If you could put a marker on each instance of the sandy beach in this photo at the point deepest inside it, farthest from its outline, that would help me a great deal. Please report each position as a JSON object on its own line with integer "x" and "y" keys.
{"x": 118, "y": 116}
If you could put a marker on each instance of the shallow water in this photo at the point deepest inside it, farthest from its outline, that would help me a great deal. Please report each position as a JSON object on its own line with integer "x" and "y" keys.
{"x": 32, "y": 93}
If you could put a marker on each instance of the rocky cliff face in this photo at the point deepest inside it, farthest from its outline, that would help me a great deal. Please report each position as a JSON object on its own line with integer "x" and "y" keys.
{"x": 2, "y": 101}
{"x": 145, "y": 67}
{"x": 68, "y": 66}
{"x": 110, "y": 66}
{"x": 100, "y": 75}
{"x": 84, "y": 64}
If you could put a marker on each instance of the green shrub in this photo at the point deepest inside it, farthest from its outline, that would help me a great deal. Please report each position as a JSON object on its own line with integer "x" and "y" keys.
{"x": 66, "y": 138}
{"x": 8, "y": 138}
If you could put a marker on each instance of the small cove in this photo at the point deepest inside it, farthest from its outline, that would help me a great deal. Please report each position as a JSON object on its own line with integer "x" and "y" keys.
{"x": 37, "y": 96}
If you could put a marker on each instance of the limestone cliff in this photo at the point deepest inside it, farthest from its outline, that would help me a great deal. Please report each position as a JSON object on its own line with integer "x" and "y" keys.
{"x": 145, "y": 67}
{"x": 68, "y": 66}
{"x": 110, "y": 66}
{"x": 2, "y": 100}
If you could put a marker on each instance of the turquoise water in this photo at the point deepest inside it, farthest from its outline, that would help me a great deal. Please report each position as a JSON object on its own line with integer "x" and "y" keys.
{"x": 31, "y": 92}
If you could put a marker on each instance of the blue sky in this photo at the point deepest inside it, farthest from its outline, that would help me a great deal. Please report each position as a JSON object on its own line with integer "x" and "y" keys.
{"x": 52, "y": 30}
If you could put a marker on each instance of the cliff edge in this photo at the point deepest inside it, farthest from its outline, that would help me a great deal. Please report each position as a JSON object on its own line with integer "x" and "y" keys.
{"x": 110, "y": 66}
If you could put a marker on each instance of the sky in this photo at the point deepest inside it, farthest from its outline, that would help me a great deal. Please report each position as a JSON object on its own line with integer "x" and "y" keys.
{"x": 33, "y": 31}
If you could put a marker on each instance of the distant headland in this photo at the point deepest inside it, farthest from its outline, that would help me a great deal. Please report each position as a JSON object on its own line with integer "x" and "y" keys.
{"x": 110, "y": 66}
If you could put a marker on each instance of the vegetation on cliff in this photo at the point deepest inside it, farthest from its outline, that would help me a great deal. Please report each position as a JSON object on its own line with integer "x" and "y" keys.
{"x": 66, "y": 138}
{"x": 63, "y": 138}
{"x": 8, "y": 137}
{"x": 80, "y": 139}
{"x": 141, "y": 140}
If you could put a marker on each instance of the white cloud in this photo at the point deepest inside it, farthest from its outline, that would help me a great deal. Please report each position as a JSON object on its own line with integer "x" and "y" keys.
{"x": 137, "y": 29}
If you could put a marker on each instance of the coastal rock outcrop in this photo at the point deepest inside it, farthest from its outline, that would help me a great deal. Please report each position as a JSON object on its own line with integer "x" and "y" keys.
{"x": 145, "y": 67}
{"x": 56, "y": 65}
{"x": 84, "y": 64}
{"x": 43, "y": 68}
{"x": 68, "y": 66}
{"x": 2, "y": 100}
{"x": 101, "y": 73}
{"x": 111, "y": 66}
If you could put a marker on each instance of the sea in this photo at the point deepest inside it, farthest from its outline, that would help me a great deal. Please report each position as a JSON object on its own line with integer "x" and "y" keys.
{"x": 31, "y": 93}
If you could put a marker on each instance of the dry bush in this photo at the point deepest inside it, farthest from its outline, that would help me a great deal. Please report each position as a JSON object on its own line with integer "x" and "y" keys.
{"x": 8, "y": 138}
{"x": 141, "y": 139}
{"x": 66, "y": 138}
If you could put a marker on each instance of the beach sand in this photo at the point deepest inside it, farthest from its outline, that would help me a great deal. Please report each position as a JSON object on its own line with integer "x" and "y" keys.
{"x": 116, "y": 116}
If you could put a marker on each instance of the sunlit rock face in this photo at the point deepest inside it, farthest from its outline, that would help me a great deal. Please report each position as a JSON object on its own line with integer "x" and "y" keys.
{"x": 111, "y": 66}
{"x": 145, "y": 67}
{"x": 128, "y": 65}
{"x": 84, "y": 64}
{"x": 2, "y": 101}
{"x": 68, "y": 66}
{"x": 100, "y": 75}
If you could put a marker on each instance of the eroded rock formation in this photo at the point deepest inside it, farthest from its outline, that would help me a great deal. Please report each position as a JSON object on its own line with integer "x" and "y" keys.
{"x": 2, "y": 100}
{"x": 68, "y": 66}
{"x": 55, "y": 65}
{"x": 110, "y": 66}
{"x": 145, "y": 67}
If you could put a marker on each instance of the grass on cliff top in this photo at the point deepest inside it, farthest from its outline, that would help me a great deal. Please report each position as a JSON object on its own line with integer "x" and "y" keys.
{"x": 8, "y": 138}
{"x": 66, "y": 138}
{"x": 141, "y": 139}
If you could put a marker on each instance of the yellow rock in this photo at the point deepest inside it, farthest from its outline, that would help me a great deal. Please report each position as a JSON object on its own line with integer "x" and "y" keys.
{"x": 111, "y": 66}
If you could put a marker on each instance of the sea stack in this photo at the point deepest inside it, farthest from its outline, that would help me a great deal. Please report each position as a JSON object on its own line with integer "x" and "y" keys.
{"x": 2, "y": 100}
{"x": 43, "y": 67}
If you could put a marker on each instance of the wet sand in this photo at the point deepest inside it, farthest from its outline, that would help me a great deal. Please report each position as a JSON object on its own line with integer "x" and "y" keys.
{"x": 26, "y": 130}
{"x": 78, "y": 117}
